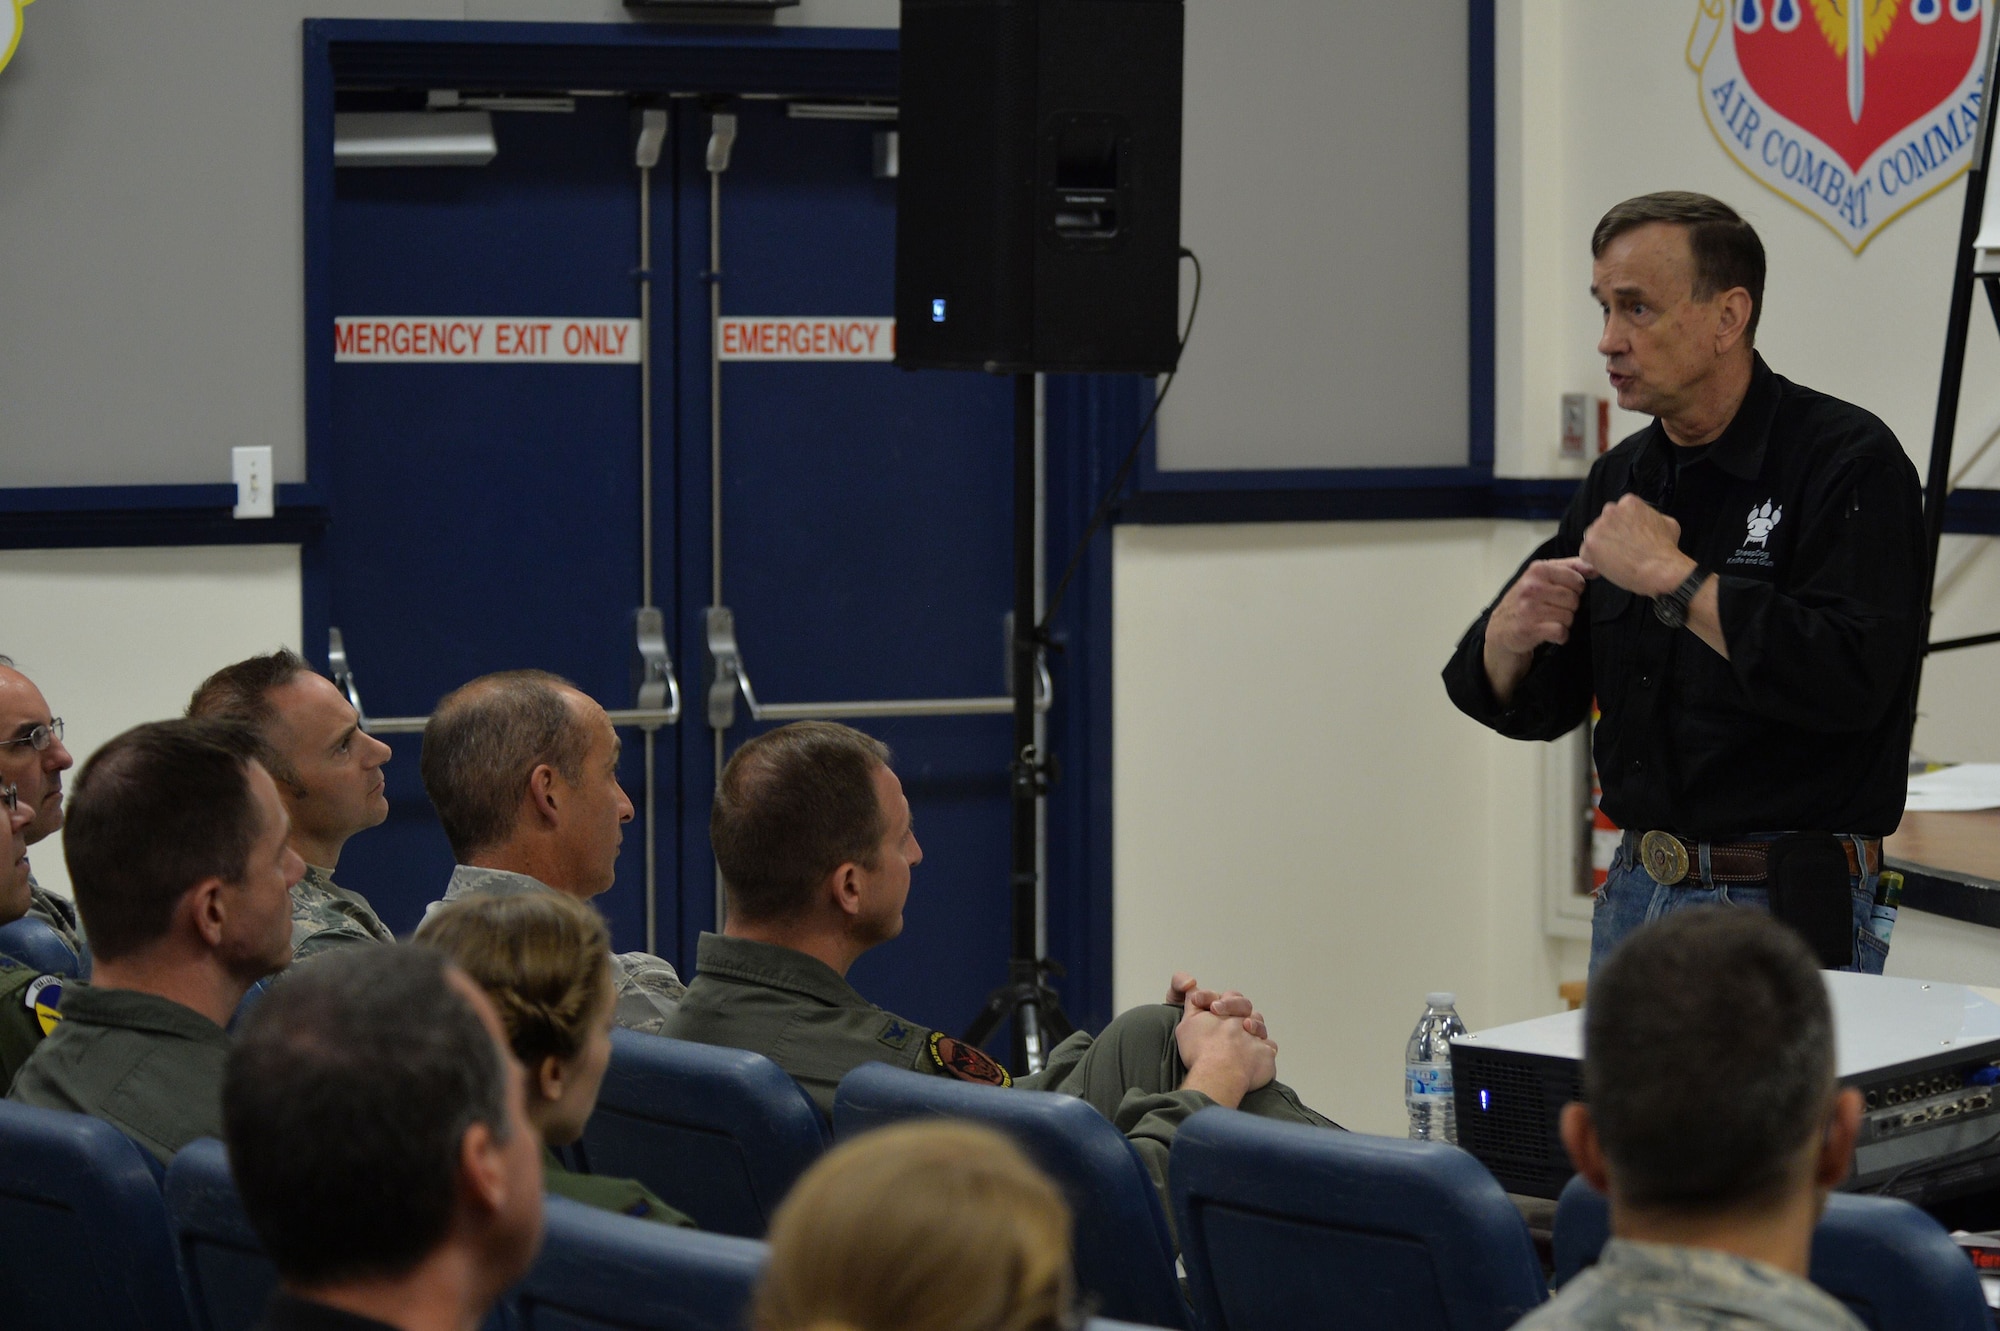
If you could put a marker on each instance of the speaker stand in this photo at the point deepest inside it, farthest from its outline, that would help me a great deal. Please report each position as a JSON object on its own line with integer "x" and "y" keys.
{"x": 1039, "y": 1021}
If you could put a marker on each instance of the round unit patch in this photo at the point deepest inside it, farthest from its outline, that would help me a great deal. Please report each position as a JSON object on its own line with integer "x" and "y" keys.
{"x": 967, "y": 1062}
{"x": 43, "y": 997}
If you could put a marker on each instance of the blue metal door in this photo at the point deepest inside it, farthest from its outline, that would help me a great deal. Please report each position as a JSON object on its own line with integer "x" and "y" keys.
{"x": 866, "y": 533}
{"x": 486, "y": 516}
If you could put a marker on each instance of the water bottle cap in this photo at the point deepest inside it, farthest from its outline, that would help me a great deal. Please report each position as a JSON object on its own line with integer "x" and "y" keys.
{"x": 1441, "y": 999}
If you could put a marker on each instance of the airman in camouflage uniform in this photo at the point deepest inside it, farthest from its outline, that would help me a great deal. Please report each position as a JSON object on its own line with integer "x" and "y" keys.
{"x": 648, "y": 988}
{"x": 326, "y": 915}
{"x": 329, "y": 774}
{"x": 1664, "y": 1287}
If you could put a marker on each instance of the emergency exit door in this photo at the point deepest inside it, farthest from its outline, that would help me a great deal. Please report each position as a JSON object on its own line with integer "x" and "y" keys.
{"x": 486, "y": 515}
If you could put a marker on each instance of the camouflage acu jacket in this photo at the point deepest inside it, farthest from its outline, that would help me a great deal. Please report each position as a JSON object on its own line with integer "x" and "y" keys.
{"x": 1660, "y": 1287}
{"x": 649, "y": 989}
{"x": 326, "y": 915}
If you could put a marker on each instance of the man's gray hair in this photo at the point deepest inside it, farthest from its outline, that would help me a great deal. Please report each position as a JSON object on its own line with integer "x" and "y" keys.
{"x": 484, "y": 740}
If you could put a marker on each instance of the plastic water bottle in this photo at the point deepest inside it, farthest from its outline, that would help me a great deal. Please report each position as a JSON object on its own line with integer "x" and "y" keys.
{"x": 1427, "y": 1071}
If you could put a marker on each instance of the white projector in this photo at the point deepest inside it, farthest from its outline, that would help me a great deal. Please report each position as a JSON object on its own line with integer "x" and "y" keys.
{"x": 1924, "y": 1054}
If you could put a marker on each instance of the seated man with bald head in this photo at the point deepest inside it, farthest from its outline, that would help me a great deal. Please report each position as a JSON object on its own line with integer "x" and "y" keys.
{"x": 177, "y": 850}
{"x": 329, "y": 774}
{"x": 814, "y": 838}
{"x": 522, "y": 767}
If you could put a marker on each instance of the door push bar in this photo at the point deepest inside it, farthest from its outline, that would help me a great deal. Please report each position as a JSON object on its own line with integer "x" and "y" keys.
{"x": 727, "y": 677}
{"x": 659, "y": 692}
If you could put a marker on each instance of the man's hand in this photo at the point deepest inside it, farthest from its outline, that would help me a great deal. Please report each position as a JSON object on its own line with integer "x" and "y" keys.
{"x": 1182, "y": 991}
{"x": 1538, "y": 608}
{"x": 1637, "y": 547}
{"x": 1224, "y": 1060}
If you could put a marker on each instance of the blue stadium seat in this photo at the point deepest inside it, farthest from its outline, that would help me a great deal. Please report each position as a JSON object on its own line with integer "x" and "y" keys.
{"x": 1124, "y": 1255}
{"x": 1885, "y": 1259}
{"x": 1284, "y": 1225}
{"x": 612, "y": 1273}
{"x": 720, "y": 1134}
{"x": 30, "y": 941}
{"x": 87, "y": 1231}
{"x": 228, "y": 1278}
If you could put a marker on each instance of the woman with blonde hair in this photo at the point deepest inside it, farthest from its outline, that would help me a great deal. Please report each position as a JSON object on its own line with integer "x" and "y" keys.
{"x": 545, "y": 961}
{"x": 939, "y": 1226}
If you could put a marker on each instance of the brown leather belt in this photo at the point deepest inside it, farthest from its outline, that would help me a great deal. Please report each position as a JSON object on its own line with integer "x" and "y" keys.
{"x": 1672, "y": 859}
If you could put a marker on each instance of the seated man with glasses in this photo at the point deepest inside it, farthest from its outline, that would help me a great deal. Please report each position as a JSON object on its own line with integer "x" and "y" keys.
{"x": 28, "y": 998}
{"x": 33, "y": 759}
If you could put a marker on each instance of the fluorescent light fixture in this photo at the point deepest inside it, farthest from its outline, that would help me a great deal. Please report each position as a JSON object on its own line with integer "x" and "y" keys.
{"x": 413, "y": 138}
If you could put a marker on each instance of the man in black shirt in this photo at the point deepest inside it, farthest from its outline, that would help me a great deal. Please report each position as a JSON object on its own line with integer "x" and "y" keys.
{"x": 1740, "y": 585}
{"x": 379, "y": 1137}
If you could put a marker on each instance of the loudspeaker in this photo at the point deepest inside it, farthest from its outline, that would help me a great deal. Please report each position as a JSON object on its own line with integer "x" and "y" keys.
{"x": 1039, "y": 193}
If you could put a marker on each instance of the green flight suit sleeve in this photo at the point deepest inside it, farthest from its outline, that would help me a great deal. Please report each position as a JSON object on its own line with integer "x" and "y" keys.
{"x": 20, "y": 1024}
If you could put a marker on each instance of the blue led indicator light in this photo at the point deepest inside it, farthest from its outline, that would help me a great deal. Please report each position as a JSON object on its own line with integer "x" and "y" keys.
{"x": 937, "y": 310}
{"x": 1485, "y": 1100}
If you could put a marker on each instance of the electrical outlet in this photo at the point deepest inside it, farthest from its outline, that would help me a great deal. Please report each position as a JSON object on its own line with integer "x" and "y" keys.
{"x": 256, "y": 496}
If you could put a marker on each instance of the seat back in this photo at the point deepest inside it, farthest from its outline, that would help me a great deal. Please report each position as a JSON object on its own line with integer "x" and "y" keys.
{"x": 1284, "y": 1225}
{"x": 609, "y": 1272}
{"x": 88, "y": 1231}
{"x": 1894, "y": 1266}
{"x": 229, "y": 1279}
{"x": 30, "y": 941}
{"x": 1124, "y": 1256}
{"x": 720, "y": 1134}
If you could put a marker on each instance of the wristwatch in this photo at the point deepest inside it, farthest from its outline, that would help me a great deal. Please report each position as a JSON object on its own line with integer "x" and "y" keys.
{"x": 1672, "y": 609}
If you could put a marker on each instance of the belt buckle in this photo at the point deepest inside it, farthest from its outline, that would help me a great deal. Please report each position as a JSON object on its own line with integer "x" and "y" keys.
{"x": 1665, "y": 858}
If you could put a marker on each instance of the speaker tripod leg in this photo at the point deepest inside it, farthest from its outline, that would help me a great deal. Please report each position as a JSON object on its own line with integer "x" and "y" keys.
{"x": 1026, "y": 996}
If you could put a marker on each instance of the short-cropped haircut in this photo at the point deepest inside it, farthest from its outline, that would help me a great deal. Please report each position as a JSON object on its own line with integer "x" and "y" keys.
{"x": 483, "y": 741}
{"x": 155, "y": 811}
{"x": 792, "y": 806}
{"x": 345, "y": 1105}
{"x": 1708, "y": 1059}
{"x": 242, "y": 692}
{"x": 1727, "y": 251}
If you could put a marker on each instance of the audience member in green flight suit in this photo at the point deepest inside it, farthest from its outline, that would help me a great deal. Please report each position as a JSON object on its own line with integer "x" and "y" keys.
{"x": 545, "y": 961}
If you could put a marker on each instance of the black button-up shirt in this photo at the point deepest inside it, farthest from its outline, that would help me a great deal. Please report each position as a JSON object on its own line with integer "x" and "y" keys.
{"x": 1811, "y": 513}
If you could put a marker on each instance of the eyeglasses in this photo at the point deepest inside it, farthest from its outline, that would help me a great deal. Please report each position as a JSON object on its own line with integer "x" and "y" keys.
{"x": 10, "y": 799}
{"x": 39, "y": 738}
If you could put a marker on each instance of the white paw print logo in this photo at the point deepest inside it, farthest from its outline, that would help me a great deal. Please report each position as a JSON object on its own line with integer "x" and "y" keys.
{"x": 1762, "y": 519}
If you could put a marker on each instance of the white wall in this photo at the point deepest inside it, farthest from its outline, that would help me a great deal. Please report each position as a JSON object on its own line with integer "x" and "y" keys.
{"x": 116, "y": 637}
{"x": 1300, "y": 813}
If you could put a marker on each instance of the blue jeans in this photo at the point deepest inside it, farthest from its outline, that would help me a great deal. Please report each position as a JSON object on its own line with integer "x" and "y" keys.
{"x": 1630, "y": 897}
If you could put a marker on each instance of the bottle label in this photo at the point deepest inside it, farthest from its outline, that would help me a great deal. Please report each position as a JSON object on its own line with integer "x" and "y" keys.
{"x": 1429, "y": 1079}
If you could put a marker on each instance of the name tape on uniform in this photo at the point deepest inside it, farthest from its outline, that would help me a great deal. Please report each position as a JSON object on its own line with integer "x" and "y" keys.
{"x": 808, "y": 337}
{"x": 480, "y": 340}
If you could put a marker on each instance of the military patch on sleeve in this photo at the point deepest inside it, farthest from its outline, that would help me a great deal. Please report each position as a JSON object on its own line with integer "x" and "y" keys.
{"x": 43, "y": 997}
{"x": 967, "y": 1062}
{"x": 895, "y": 1034}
